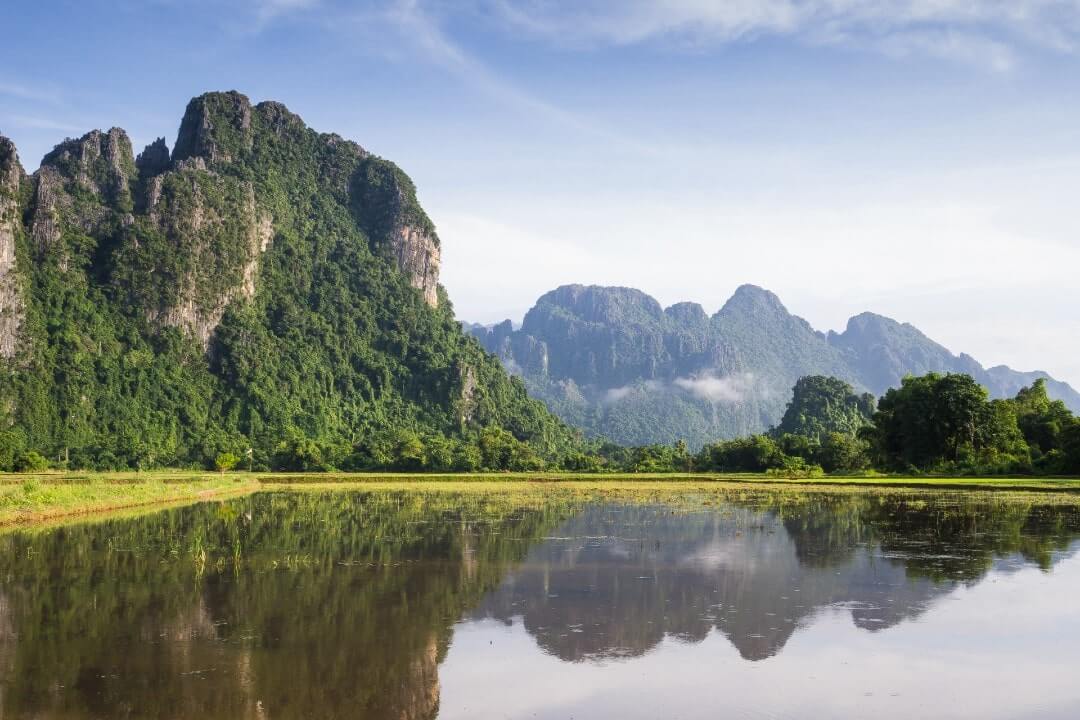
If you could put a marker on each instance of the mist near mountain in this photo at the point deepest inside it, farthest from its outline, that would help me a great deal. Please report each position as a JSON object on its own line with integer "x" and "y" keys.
{"x": 614, "y": 362}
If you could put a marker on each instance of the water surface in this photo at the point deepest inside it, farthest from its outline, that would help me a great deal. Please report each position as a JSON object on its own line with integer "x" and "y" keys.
{"x": 550, "y": 604}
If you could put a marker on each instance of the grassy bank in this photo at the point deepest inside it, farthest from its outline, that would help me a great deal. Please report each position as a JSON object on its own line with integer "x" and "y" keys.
{"x": 37, "y": 498}
{"x": 28, "y": 499}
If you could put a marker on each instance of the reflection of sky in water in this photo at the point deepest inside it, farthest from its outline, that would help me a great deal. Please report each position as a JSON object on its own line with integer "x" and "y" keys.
{"x": 394, "y": 605}
{"x": 750, "y": 575}
{"x": 1006, "y": 647}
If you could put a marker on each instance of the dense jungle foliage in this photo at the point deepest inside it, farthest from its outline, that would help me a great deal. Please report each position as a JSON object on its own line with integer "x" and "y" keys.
{"x": 245, "y": 296}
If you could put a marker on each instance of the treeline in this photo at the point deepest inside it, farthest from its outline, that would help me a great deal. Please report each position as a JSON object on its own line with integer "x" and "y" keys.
{"x": 938, "y": 424}
{"x": 399, "y": 449}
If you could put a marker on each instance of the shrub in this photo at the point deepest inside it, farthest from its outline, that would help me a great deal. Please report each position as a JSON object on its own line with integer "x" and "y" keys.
{"x": 30, "y": 462}
{"x": 225, "y": 461}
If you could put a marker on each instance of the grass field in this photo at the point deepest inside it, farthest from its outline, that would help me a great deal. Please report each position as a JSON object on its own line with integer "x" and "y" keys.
{"x": 32, "y": 499}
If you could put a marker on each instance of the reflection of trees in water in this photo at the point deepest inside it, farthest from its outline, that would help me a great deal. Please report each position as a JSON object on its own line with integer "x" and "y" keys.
{"x": 289, "y": 605}
{"x": 616, "y": 581}
{"x": 334, "y": 605}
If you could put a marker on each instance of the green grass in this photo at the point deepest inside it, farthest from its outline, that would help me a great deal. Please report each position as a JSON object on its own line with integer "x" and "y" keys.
{"x": 32, "y": 499}
{"x": 37, "y": 498}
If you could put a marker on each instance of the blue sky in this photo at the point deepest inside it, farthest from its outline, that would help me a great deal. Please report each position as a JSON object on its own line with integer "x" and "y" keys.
{"x": 917, "y": 158}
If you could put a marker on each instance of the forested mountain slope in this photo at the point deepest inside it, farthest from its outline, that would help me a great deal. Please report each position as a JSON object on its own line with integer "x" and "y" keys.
{"x": 616, "y": 363}
{"x": 261, "y": 286}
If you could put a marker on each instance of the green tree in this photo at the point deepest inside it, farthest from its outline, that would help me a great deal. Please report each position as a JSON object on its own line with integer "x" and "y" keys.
{"x": 30, "y": 461}
{"x": 756, "y": 453}
{"x": 1041, "y": 419}
{"x": 821, "y": 405}
{"x": 936, "y": 420}
{"x": 1070, "y": 448}
{"x": 840, "y": 452}
{"x": 408, "y": 451}
{"x": 225, "y": 461}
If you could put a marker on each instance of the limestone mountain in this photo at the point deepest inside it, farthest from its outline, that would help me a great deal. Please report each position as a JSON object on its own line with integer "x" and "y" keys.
{"x": 260, "y": 286}
{"x": 614, "y": 362}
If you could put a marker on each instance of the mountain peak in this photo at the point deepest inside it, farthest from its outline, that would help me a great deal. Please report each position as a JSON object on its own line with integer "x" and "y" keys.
{"x": 687, "y": 313}
{"x": 871, "y": 327}
{"x": 599, "y": 303}
{"x": 11, "y": 170}
{"x": 216, "y": 126}
{"x": 101, "y": 162}
{"x": 752, "y": 300}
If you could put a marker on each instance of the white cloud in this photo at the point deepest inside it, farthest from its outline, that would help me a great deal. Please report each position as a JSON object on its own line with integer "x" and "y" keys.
{"x": 979, "y": 32}
{"x": 42, "y": 123}
{"x": 36, "y": 93}
{"x": 614, "y": 395}
{"x": 419, "y": 29}
{"x": 269, "y": 9}
{"x": 721, "y": 390}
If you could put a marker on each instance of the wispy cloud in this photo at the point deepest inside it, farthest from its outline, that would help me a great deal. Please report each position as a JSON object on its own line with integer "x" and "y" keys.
{"x": 724, "y": 390}
{"x": 987, "y": 33}
{"x": 266, "y": 11}
{"x": 29, "y": 93}
{"x": 711, "y": 387}
{"x": 421, "y": 29}
{"x": 41, "y": 123}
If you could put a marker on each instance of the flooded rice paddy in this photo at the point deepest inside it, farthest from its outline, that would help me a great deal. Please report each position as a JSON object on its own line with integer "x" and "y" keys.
{"x": 551, "y": 603}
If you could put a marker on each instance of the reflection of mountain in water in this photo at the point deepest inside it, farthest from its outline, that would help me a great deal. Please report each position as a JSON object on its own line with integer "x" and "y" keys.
{"x": 614, "y": 581}
{"x": 275, "y": 606}
{"x": 343, "y": 604}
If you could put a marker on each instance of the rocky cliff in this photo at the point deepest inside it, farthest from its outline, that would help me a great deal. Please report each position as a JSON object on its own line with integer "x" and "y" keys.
{"x": 613, "y": 361}
{"x": 12, "y": 180}
{"x": 262, "y": 285}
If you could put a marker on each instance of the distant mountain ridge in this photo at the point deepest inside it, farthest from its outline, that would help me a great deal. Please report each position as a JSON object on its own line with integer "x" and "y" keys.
{"x": 615, "y": 362}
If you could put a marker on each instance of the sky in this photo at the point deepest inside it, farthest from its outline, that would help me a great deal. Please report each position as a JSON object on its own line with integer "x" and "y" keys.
{"x": 915, "y": 158}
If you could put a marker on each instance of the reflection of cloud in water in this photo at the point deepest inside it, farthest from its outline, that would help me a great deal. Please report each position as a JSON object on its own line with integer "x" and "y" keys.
{"x": 1002, "y": 649}
{"x": 743, "y": 572}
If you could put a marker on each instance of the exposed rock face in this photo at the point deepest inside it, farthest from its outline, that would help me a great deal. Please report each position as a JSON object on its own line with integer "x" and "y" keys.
{"x": 384, "y": 200}
{"x": 153, "y": 160}
{"x": 418, "y": 256}
{"x": 469, "y": 387}
{"x": 200, "y": 231}
{"x": 216, "y": 126}
{"x": 49, "y": 201}
{"x": 11, "y": 301}
{"x": 99, "y": 168}
{"x": 102, "y": 163}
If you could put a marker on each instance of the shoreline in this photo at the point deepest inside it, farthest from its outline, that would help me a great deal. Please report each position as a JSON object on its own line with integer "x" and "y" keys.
{"x": 36, "y": 500}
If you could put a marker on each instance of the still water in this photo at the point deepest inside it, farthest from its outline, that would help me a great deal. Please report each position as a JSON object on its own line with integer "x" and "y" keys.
{"x": 551, "y": 604}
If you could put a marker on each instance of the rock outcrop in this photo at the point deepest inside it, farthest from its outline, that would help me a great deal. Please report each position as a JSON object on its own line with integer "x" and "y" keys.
{"x": 101, "y": 163}
{"x": 384, "y": 200}
{"x": 206, "y": 234}
{"x": 84, "y": 186}
{"x": 153, "y": 160}
{"x": 11, "y": 300}
{"x": 418, "y": 256}
{"x": 50, "y": 203}
{"x": 216, "y": 126}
